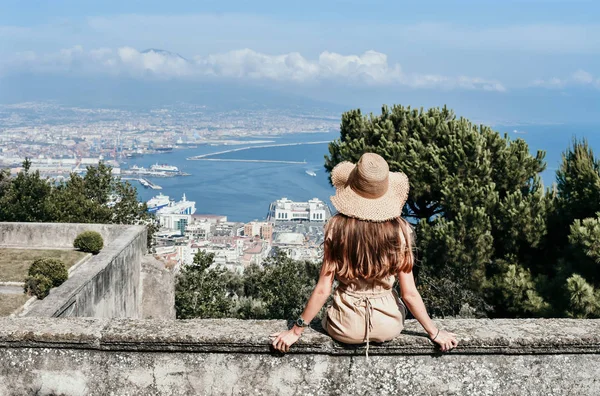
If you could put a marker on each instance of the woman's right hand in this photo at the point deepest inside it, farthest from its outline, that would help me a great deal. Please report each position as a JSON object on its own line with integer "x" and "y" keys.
{"x": 445, "y": 340}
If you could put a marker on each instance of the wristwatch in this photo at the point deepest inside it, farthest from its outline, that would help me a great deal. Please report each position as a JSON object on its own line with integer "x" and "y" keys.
{"x": 300, "y": 322}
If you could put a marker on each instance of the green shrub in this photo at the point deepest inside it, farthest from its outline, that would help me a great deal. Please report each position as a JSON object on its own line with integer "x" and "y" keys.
{"x": 44, "y": 274}
{"x": 89, "y": 242}
{"x": 38, "y": 285}
{"x": 53, "y": 269}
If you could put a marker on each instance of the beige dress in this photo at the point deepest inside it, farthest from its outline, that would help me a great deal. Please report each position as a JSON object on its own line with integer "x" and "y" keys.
{"x": 364, "y": 311}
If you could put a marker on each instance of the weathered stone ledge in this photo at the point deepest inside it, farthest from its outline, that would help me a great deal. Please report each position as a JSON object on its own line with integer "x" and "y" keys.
{"x": 86, "y": 356}
{"x": 476, "y": 336}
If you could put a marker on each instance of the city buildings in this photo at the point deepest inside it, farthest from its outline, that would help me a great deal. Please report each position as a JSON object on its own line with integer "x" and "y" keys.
{"x": 48, "y": 130}
{"x": 285, "y": 210}
{"x": 213, "y": 219}
{"x": 263, "y": 229}
{"x": 235, "y": 245}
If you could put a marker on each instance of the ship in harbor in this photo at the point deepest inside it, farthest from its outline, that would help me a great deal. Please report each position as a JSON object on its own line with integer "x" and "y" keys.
{"x": 158, "y": 202}
{"x": 154, "y": 171}
{"x": 311, "y": 173}
{"x": 134, "y": 154}
{"x": 162, "y": 204}
{"x": 164, "y": 168}
{"x": 164, "y": 149}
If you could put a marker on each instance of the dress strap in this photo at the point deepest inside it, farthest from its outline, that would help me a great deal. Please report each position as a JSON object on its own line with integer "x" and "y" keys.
{"x": 368, "y": 322}
{"x": 364, "y": 297}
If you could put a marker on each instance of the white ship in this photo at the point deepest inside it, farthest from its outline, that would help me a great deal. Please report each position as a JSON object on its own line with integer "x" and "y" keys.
{"x": 164, "y": 168}
{"x": 311, "y": 173}
{"x": 183, "y": 207}
{"x": 136, "y": 168}
{"x": 158, "y": 202}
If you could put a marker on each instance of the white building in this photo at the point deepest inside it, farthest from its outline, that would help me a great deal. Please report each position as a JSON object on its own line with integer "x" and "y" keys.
{"x": 287, "y": 210}
{"x": 213, "y": 219}
{"x": 198, "y": 230}
{"x": 177, "y": 215}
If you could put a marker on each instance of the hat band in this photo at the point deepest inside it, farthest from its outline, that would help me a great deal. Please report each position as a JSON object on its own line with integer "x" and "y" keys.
{"x": 365, "y": 188}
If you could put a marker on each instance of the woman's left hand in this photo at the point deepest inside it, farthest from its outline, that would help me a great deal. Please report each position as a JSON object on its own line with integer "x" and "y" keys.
{"x": 284, "y": 340}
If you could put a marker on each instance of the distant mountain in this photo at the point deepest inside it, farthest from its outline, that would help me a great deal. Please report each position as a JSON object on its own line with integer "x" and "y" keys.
{"x": 122, "y": 92}
{"x": 529, "y": 105}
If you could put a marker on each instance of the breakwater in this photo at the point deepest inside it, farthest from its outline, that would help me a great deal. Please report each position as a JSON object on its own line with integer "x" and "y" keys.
{"x": 246, "y": 160}
{"x": 202, "y": 156}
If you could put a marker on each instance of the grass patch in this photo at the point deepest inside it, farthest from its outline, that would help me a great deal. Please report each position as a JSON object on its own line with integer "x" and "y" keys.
{"x": 14, "y": 263}
{"x": 10, "y": 302}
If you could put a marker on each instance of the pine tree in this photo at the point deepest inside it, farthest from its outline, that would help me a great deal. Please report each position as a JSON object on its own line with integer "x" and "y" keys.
{"x": 517, "y": 293}
{"x": 577, "y": 193}
{"x": 475, "y": 197}
{"x": 572, "y": 246}
{"x": 584, "y": 248}
{"x": 584, "y": 301}
{"x": 26, "y": 197}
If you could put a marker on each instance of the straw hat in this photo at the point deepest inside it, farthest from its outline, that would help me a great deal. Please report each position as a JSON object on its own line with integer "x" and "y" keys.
{"x": 368, "y": 190}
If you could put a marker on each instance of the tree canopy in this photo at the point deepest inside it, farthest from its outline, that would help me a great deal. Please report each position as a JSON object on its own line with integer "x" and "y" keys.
{"x": 277, "y": 289}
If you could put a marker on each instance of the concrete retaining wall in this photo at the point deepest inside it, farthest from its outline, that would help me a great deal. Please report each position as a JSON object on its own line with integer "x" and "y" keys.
{"x": 107, "y": 285}
{"x": 78, "y": 356}
{"x": 53, "y": 235}
{"x": 158, "y": 291}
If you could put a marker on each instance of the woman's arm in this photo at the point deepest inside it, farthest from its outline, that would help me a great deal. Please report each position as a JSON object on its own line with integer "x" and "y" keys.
{"x": 414, "y": 302}
{"x": 285, "y": 339}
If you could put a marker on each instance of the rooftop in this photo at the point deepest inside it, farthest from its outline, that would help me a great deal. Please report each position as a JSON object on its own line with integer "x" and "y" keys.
{"x": 289, "y": 238}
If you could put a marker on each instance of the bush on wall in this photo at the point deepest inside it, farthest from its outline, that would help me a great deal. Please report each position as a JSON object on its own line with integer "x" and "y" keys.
{"x": 89, "y": 242}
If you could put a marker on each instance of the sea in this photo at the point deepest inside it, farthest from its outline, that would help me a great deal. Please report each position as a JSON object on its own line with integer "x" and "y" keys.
{"x": 243, "y": 191}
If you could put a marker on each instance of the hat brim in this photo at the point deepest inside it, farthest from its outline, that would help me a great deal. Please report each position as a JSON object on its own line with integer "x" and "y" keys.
{"x": 350, "y": 203}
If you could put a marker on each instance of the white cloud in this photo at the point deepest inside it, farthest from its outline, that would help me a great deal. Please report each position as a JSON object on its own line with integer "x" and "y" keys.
{"x": 250, "y": 64}
{"x": 369, "y": 68}
{"x": 580, "y": 78}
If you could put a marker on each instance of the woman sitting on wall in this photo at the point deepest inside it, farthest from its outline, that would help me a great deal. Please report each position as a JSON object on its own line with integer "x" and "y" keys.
{"x": 367, "y": 245}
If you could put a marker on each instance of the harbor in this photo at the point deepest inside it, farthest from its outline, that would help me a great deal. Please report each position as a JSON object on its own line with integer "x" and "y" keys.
{"x": 236, "y": 187}
{"x": 148, "y": 184}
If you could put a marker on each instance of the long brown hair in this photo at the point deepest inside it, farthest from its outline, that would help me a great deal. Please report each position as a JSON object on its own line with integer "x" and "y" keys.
{"x": 356, "y": 248}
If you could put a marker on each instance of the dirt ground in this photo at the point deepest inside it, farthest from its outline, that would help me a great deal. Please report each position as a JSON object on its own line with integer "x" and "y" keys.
{"x": 14, "y": 263}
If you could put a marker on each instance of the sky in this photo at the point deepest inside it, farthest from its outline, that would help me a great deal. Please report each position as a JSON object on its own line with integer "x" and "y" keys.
{"x": 474, "y": 54}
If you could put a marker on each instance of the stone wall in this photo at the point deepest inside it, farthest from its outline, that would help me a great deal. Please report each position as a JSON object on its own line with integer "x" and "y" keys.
{"x": 107, "y": 285}
{"x": 158, "y": 291}
{"x": 52, "y": 235}
{"x": 77, "y": 356}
